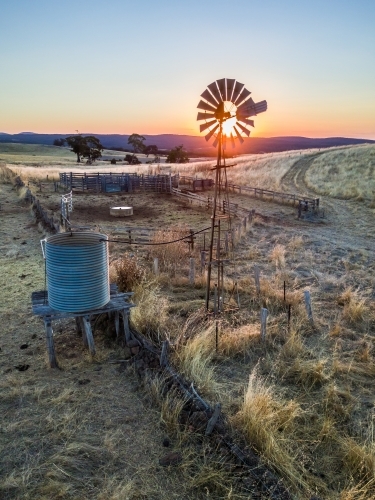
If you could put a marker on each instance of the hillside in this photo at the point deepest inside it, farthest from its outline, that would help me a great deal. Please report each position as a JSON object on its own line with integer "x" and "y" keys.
{"x": 197, "y": 144}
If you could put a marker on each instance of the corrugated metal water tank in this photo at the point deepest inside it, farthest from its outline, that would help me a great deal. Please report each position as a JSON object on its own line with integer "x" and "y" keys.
{"x": 77, "y": 271}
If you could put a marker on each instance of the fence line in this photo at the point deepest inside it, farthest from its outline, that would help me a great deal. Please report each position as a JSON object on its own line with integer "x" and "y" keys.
{"x": 42, "y": 214}
{"x": 110, "y": 182}
{"x": 261, "y": 193}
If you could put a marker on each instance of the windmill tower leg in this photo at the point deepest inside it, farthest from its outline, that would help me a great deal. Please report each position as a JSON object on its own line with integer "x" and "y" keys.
{"x": 213, "y": 217}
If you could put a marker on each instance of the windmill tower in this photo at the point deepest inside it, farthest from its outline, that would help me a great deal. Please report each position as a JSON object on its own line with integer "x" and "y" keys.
{"x": 226, "y": 109}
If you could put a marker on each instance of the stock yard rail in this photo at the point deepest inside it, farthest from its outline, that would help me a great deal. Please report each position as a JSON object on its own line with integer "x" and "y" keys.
{"x": 110, "y": 182}
{"x": 302, "y": 202}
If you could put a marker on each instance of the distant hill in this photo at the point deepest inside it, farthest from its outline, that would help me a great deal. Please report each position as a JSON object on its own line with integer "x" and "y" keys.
{"x": 194, "y": 144}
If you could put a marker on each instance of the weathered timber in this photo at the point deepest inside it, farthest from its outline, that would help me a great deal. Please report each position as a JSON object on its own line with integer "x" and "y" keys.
{"x": 117, "y": 304}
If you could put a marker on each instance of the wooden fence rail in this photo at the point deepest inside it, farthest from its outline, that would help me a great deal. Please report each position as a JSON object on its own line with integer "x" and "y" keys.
{"x": 111, "y": 182}
{"x": 295, "y": 199}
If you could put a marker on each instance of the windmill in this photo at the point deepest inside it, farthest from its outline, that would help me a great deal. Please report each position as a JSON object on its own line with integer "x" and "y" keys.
{"x": 225, "y": 108}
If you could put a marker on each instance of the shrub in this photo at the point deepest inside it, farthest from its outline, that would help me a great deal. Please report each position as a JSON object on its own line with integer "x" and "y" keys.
{"x": 127, "y": 272}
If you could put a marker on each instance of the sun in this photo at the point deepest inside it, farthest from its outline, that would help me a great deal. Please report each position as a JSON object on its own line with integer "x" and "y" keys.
{"x": 229, "y": 123}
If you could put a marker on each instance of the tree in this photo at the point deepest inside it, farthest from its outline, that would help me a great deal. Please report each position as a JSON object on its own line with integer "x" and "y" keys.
{"x": 132, "y": 160}
{"x": 59, "y": 142}
{"x": 85, "y": 147}
{"x": 152, "y": 149}
{"x": 136, "y": 141}
{"x": 177, "y": 155}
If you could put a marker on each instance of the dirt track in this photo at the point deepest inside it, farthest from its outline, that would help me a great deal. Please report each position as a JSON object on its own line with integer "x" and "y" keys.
{"x": 349, "y": 224}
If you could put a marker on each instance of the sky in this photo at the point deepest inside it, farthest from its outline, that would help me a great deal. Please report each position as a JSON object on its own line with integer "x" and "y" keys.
{"x": 126, "y": 66}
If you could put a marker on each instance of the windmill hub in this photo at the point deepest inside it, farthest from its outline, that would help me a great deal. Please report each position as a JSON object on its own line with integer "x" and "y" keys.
{"x": 221, "y": 114}
{"x": 225, "y": 99}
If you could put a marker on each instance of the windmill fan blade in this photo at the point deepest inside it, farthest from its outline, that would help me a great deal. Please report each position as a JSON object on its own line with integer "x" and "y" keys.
{"x": 245, "y": 106}
{"x": 244, "y": 129}
{"x": 245, "y": 93}
{"x": 222, "y": 89}
{"x": 211, "y": 133}
{"x": 230, "y": 85}
{"x": 215, "y": 142}
{"x": 207, "y": 125}
{"x": 209, "y": 97}
{"x": 232, "y": 140}
{"x": 207, "y": 107}
{"x": 244, "y": 120}
{"x": 205, "y": 116}
{"x": 238, "y": 135}
{"x": 236, "y": 91}
{"x": 215, "y": 91}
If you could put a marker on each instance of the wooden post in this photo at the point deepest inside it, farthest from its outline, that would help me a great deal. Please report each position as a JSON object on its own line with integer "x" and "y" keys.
{"x": 125, "y": 320}
{"x": 263, "y": 323}
{"x": 308, "y": 306}
{"x": 215, "y": 299}
{"x": 156, "y": 265}
{"x": 226, "y": 242}
{"x": 256, "y": 278}
{"x": 192, "y": 271}
{"x": 117, "y": 323}
{"x": 289, "y": 316}
{"x": 284, "y": 291}
{"x": 217, "y": 336}
{"x": 203, "y": 260}
{"x": 88, "y": 334}
{"x": 213, "y": 420}
{"x": 50, "y": 344}
{"x": 164, "y": 354}
{"x": 192, "y": 239}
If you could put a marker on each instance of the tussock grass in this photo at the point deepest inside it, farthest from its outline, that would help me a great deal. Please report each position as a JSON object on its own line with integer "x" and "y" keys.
{"x": 195, "y": 361}
{"x": 150, "y": 317}
{"x": 356, "y": 309}
{"x": 277, "y": 255}
{"x": 128, "y": 272}
{"x": 238, "y": 341}
{"x": 7, "y": 175}
{"x": 267, "y": 422}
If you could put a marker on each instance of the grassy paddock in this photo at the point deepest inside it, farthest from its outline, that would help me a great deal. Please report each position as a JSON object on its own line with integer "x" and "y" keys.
{"x": 303, "y": 398}
{"x": 347, "y": 173}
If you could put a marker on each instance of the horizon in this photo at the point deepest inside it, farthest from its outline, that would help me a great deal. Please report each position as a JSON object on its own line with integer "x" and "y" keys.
{"x": 143, "y": 67}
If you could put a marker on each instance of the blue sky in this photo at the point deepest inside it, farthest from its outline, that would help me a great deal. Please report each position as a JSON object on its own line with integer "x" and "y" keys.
{"x": 123, "y": 67}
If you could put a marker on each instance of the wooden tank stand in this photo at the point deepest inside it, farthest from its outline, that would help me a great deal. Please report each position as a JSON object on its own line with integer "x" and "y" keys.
{"x": 118, "y": 305}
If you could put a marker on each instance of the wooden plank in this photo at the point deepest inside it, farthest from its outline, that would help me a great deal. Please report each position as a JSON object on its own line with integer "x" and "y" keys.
{"x": 88, "y": 334}
{"x": 50, "y": 344}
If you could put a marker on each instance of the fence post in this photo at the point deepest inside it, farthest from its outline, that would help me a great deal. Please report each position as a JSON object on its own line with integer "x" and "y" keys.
{"x": 203, "y": 260}
{"x": 263, "y": 323}
{"x": 156, "y": 265}
{"x": 256, "y": 278}
{"x": 226, "y": 242}
{"x": 192, "y": 271}
{"x": 308, "y": 306}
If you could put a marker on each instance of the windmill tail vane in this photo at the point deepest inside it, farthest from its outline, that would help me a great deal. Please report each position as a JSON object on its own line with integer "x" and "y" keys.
{"x": 227, "y": 99}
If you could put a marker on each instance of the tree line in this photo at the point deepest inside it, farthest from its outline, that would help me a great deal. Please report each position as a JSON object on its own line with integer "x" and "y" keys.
{"x": 89, "y": 148}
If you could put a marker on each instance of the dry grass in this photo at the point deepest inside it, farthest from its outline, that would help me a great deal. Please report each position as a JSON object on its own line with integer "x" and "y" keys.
{"x": 128, "y": 272}
{"x": 194, "y": 359}
{"x": 262, "y": 170}
{"x": 171, "y": 255}
{"x": 267, "y": 421}
{"x": 345, "y": 173}
{"x": 309, "y": 404}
